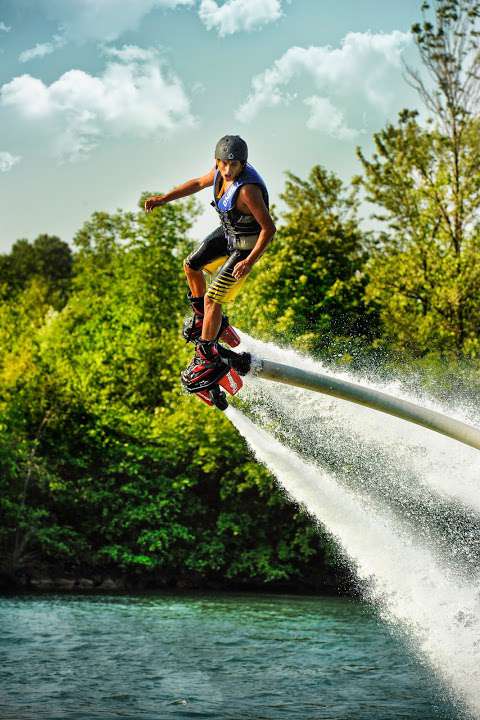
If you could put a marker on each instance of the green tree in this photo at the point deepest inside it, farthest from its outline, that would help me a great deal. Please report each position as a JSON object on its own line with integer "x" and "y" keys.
{"x": 308, "y": 287}
{"x": 47, "y": 258}
{"x": 106, "y": 466}
{"x": 117, "y": 340}
{"x": 426, "y": 182}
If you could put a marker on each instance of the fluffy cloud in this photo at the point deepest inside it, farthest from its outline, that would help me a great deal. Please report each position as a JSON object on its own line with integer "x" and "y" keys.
{"x": 235, "y": 15}
{"x": 4, "y": 28}
{"x": 135, "y": 95}
{"x": 364, "y": 71}
{"x": 7, "y": 161}
{"x": 328, "y": 119}
{"x": 42, "y": 49}
{"x": 104, "y": 20}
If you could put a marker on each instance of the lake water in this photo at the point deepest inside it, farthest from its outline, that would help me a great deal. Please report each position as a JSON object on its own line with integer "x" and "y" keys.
{"x": 248, "y": 657}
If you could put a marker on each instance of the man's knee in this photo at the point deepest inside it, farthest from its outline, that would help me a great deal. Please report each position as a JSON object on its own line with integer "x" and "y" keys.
{"x": 211, "y": 304}
{"x": 187, "y": 267}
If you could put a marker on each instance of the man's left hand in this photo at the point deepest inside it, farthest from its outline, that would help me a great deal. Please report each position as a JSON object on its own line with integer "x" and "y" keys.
{"x": 241, "y": 269}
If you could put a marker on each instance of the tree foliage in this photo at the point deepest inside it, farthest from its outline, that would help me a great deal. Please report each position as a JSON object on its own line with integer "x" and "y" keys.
{"x": 47, "y": 258}
{"x": 422, "y": 281}
{"x": 426, "y": 183}
{"x": 106, "y": 467}
{"x": 309, "y": 287}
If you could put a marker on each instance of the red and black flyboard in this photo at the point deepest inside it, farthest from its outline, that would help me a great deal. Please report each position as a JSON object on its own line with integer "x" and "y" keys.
{"x": 211, "y": 386}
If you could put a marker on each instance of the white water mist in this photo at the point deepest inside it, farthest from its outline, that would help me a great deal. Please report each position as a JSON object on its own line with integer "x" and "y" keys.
{"x": 442, "y": 464}
{"x": 435, "y": 609}
{"x": 402, "y": 502}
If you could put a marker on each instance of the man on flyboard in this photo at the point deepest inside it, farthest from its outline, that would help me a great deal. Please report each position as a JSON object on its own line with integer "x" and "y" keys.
{"x": 246, "y": 228}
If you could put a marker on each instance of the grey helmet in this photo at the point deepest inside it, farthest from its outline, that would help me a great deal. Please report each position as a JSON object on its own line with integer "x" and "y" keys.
{"x": 231, "y": 147}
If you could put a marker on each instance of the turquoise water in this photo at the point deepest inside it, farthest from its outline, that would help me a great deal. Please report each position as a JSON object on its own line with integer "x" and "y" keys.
{"x": 206, "y": 656}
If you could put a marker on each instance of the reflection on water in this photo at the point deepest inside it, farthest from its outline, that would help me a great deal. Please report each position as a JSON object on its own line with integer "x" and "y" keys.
{"x": 205, "y": 656}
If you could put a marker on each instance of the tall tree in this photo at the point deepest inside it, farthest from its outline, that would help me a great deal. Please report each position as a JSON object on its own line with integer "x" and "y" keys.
{"x": 48, "y": 258}
{"x": 426, "y": 183}
{"x": 106, "y": 466}
{"x": 309, "y": 285}
{"x": 449, "y": 48}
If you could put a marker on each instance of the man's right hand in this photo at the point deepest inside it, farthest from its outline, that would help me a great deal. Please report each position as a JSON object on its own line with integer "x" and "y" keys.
{"x": 153, "y": 202}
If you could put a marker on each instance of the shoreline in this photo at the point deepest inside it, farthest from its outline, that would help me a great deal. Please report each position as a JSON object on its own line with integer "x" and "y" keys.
{"x": 124, "y": 585}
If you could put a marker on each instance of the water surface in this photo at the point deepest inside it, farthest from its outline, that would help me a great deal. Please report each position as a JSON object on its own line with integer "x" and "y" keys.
{"x": 206, "y": 656}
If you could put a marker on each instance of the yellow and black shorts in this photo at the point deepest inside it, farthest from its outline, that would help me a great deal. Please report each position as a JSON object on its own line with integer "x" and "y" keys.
{"x": 215, "y": 257}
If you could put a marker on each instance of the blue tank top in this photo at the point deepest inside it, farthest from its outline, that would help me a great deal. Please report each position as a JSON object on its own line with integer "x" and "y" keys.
{"x": 240, "y": 230}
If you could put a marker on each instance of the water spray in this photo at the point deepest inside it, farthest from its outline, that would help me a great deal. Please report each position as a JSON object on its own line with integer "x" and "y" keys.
{"x": 368, "y": 397}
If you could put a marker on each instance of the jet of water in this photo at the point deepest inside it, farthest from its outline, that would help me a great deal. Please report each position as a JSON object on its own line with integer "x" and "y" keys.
{"x": 435, "y": 608}
{"x": 355, "y": 433}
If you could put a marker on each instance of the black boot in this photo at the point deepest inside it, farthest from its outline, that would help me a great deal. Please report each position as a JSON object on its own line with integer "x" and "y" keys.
{"x": 192, "y": 327}
{"x": 239, "y": 361}
{"x": 197, "y": 303}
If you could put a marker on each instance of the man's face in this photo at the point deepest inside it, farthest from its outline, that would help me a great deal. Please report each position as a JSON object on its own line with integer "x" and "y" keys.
{"x": 229, "y": 169}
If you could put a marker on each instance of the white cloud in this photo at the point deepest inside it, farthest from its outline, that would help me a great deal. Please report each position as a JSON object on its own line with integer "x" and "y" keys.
{"x": 235, "y": 15}
{"x": 106, "y": 20}
{"x": 130, "y": 53}
{"x": 102, "y": 20}
{"x": 39, "y": 51}
{"x": 364, "y": 71}
{"x": 328, "y": 119}
{"x": 42, "y": 49}
{"x": 4, "y": 28}
{"x": 7, "y": 161}
{"x": 138, "y": 98}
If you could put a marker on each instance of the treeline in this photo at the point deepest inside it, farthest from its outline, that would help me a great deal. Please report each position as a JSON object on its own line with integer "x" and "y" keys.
{"x": 108, "y": 471}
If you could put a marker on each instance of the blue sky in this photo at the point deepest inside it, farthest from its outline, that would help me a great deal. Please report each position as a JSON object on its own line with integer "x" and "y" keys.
{"x": 103, "y": 99}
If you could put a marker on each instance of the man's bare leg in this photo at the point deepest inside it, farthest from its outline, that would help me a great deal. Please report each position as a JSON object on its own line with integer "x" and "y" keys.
{"x": 196, "y": 281}
{"x": 211, "y": 320}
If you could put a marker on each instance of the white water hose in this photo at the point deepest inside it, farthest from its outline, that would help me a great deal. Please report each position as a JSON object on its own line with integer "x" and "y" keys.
{"x": 373, "y": 399}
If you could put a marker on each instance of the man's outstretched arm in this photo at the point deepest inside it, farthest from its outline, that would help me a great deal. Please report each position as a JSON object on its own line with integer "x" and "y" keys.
{"x": 188, "y": 188}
